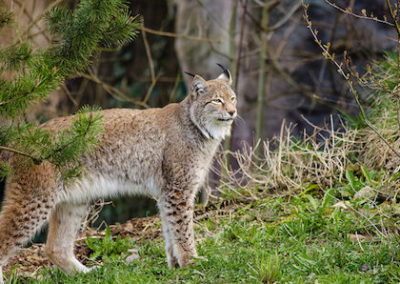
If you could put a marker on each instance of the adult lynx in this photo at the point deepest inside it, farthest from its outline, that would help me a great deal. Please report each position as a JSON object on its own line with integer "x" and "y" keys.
{"x": 164, "y": 153}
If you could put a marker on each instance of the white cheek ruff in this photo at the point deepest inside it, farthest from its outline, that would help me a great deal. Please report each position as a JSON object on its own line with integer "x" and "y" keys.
{"x": 219, "y": 130}
{"x": 210, "y": 127}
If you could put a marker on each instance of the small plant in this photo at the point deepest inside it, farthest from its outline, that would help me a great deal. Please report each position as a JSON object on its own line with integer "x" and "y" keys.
{"x": 108, "y": 249}
{"x": 266, "y": 269}
{"x": 362, "y": 185}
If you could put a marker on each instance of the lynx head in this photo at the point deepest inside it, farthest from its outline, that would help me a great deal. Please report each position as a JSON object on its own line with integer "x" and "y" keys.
{"x": 213, "y": 105}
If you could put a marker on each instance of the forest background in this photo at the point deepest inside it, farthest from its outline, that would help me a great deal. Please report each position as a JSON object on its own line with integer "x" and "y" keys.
{"x": 280, "y": 74}
{"x": 316, "y": 199}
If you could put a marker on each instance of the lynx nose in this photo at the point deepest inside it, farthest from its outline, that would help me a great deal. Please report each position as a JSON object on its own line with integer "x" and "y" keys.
{"x": 232, "y": 112}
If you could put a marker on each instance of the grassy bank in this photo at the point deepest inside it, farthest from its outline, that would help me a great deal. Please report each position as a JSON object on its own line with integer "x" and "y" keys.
{"x": 303, "y": 239}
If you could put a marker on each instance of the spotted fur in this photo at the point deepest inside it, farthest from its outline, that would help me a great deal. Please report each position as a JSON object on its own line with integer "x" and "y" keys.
{"x": 164, "y": 153}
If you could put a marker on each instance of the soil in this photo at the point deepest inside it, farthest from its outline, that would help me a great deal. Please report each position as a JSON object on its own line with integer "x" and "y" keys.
{"x": 31, "y": 259}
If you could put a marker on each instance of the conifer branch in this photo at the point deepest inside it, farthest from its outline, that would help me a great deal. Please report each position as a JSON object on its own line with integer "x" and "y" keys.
{"x": 8, "y": 149}
{"x": 81, "y": 32}
{"x": 62, "y": 147}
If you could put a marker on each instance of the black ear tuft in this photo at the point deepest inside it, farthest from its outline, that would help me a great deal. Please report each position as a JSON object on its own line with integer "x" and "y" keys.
{"x": 226, "y": 75}
{"x": 190, "y": 74}
{"x": 226, "y": 72}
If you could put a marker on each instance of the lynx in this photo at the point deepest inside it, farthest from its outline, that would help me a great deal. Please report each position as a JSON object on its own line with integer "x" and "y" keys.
{"x": 161, "y": 152}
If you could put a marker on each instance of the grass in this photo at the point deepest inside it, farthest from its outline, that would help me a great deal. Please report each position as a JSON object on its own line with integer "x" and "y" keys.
{"x": 280, "y": 239}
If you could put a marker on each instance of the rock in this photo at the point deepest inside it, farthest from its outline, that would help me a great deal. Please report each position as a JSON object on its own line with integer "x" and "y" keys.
{"x": 364, "y": 193}
{"x": 133, "y": 254}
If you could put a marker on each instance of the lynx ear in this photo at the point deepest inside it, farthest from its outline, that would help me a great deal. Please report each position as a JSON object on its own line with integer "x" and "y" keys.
{"x": 225, "y": 75}
{"x": 199, "y": 86}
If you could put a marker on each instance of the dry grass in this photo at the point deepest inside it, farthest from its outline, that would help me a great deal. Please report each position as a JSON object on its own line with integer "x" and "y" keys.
{"x": 289, "y": 164}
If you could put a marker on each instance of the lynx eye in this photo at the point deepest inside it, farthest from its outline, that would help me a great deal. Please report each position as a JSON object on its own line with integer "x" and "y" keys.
{"x": 233, "y": 99}
{"x": 217, "y": 101}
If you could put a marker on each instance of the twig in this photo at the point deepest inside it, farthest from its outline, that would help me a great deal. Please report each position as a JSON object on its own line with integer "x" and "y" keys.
{"x": 29, "y": 16}
{"x": 286, "y": 18}
{"x": 112, "y": 90}
{"x": 268, "y": 5}
{"x": 69, "y": 95}
{"x": 149, "y": 58}
{"x": 44, "y": 12}
{"x": 168, "y": 34}
{"x": 35, "y": 160}
{"x": 150, "y": 89}
{"x": 391, "y": 13}
{"x": 346, "y": 11}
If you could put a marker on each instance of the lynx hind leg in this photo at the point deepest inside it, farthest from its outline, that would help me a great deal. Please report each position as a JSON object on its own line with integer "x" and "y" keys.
{"x": 23, "y": 213}
{"x": 64, "y": 225}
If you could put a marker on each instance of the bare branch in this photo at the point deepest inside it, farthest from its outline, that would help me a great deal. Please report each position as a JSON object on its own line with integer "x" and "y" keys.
{"x": 149, "y": 58}
{"x": 112, "y": 90}
{"x": 392, "y": 15}
{"x": 349, "y": 12}
{"x": 38, "y": 18}
{"x": 168, "y": 34}
{"x": 286, "y": 18}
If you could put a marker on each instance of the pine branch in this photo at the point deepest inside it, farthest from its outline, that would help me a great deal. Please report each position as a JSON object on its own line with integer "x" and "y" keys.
{"x": 78, "y": 34}
{"x": 34, "y": 159}
{"x": 65, "y": 145}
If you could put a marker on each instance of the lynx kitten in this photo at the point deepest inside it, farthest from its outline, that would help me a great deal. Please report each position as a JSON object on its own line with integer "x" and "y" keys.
{"x": 164, "y": 153}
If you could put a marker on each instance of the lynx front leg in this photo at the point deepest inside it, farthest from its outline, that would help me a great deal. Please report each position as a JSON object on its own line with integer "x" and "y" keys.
{"x": 177, "y": 217}
{"x": 169, "y": 243}
{"x": 64, "y": 225}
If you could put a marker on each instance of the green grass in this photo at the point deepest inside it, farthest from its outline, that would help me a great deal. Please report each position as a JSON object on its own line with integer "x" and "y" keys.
{"x": 293, "y": 239}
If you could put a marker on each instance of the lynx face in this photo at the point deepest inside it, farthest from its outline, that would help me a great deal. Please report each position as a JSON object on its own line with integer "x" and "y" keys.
{"x": 213, "y": 107}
